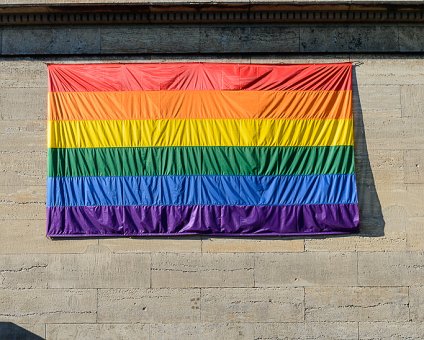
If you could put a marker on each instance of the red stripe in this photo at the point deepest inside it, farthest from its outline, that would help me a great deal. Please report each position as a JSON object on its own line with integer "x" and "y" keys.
{"x": 199, "y": 76}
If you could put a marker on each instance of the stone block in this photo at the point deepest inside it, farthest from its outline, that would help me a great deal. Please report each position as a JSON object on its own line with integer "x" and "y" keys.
{"x": 343, "y": 243}
{"x": 29, "y": 237}
{"x": 23, "y": 74}
{"x": 389, "y": 242}
{"x": 380, "y": 100}
{"x": 252, "y": 304}
{"x": 405, "y": 133}
{"x": 51, "y": 40}
{"x": 348, "y": 38}
{"x": 23, "y": 271}
{"x": 99, "y": 269}
{"x": 10, "y": 330}
{"x": 307, "y": 330}
{"x": 248, "y": 39}
{"x": 153, "y": 244}
{"x": 415, "y": 234}
{"x": 26, "y": 168}
{"x": 412, "y": 97}
{"x": 239, "y": 245}
{"x": 391, "y": 330}
{"x": 48, "y": 305}
{"x": 299, "y": 58}
{"x": 356, "y": 304}
{"x": 411, "y": 38}
{"x": 305, "y": 269}
{"x": 391, "y": 269}
{"x": 202, "y": 270}
{"x": 149, "y": 39}
{"x": 22, "y": 202}
{"x": 23, "y": 103}
{"x": 416, "y": 296}
{"x": 23, "y": 135}
{"x": 414, "y": 200}
{"x": 97, "y": 331}
{"x": 379, "y": 167}
{"x": 414, "y": 166}
{"x": 388, "y": 70}
{"x": 148, "y": 305}
{"x": 205, "y": 331}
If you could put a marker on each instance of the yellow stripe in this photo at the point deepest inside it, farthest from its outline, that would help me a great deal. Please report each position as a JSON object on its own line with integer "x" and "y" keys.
{"x": 207, "y": 132}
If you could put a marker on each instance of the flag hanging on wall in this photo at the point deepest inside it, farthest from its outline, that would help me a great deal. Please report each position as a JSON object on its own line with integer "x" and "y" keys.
{"x": 200, "y": 148}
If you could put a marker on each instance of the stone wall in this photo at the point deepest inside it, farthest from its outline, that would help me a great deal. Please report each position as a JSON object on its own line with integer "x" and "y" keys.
{"x": 366, "y": 286}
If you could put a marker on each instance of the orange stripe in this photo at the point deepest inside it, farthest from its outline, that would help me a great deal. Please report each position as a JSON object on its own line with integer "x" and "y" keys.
{"x": 136, "y": 105}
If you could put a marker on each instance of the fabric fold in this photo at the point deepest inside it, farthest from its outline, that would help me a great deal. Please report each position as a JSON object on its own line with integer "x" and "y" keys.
{"x": 221, "y": 149}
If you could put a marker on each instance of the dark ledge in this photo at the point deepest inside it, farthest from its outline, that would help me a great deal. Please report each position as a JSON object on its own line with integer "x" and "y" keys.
{"x": 210, "y": 14}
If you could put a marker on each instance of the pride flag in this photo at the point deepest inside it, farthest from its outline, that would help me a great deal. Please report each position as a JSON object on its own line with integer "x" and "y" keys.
{"x": 200, "y": 148}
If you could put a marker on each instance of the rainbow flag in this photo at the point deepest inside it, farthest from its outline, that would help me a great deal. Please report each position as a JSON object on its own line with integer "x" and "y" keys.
{"x": 200, "y": 148}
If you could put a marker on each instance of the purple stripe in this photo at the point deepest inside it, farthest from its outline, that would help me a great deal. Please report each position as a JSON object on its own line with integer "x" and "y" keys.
{"x": 206, "y": 220}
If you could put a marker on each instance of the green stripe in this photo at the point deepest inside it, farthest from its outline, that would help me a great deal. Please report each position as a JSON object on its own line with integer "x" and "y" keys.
{"x": 152, "y": 161}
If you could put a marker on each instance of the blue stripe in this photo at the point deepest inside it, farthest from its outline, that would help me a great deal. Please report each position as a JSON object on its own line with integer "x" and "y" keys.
{"x": 201, "y": 190}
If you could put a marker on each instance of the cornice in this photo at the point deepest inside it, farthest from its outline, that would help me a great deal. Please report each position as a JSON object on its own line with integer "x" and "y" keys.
{"x": 206, "y": 14}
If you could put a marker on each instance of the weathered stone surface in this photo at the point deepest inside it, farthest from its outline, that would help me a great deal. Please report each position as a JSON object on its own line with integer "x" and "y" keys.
{"x": 392, "y": 241}
{"x": 252, "y": 305}
{"x": 305, "y": 269}
{"x": 152, "y": 245}
{"x": 391, "y": 269}
{"x": 25, "y": 168}
{"x": 49, "y": 40}
{"x": 381, "y": 100}
{"x": 23, "y": 135}
{"x": 348, "y": 38}
{"x": 23, "y": 271}
{"x": 414, "y": 200}
{"x": 416, "y": 296}
{"x": 97, "y": 331}
{"x": 23, "y": 74}
{"x": 414, "y": 166}
{"x": 10, "y": 330}
{"x": 22, "y": 202}
{"x": 148, "y": 305}
{"x": 405, "y": 133}
{"x": 99, "y": 269}
{"x": 205, "y": 331}
{"x": 299, "y": 58}
{"x": 415, "y": 234}
{"x": 390, "y": 70}
{"x": 29, "y": 237}
{"x": 307, "y": 330}
{"x": 388, "y": 107}
{"x": 356, "y": 304}
{"x": 238, "y": 245}
{"x": 251, "y": 38}
{"x": 150, "y": 39}
{"x": 380, "y": 168}
{"x": 48, "y": 305}
{"x": 202, "y": 270}
{"x": 23, "y": 103}
{"x": 391, "y": 330}
{"x": 412, "y": 97}
{"x": 411, "y": 38}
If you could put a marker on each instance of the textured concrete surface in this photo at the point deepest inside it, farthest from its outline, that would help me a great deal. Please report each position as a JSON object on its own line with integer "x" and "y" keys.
{"x": 364, "y": 286}
{"x": 211, "y": 38}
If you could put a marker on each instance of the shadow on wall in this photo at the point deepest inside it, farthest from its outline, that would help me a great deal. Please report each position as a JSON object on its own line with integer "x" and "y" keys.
{"x": 372, "y": 221}
{"x": 10, "y": 331}
{"x": 371, "y": 217}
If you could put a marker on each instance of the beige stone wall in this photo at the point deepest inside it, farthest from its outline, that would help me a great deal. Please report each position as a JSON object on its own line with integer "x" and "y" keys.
{"x": 364, "y": 286}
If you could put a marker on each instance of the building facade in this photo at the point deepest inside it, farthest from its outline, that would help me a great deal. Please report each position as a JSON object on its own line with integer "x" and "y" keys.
{"x": 364, "y": 286}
